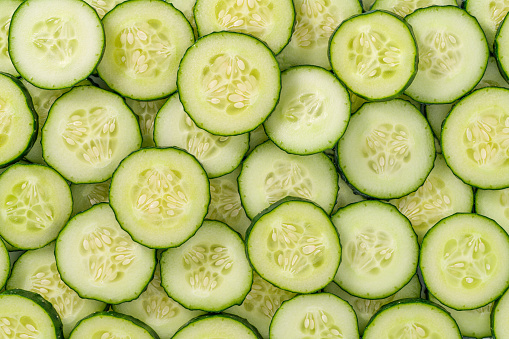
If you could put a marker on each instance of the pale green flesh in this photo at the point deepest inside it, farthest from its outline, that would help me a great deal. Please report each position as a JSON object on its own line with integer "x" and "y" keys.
{"x": 346, "y": 196}
{"x": 85, "y": 196}
{"x": 6, "y": 10}
{"x": 103, "y": 6}
{"x": 500, "y": 325}
{"x": 186, "y": 7}
{"x": 406, "y": 7}
{"x": 489, "y": 14}
{"x": 146, "y": 112}
{"x": 214, "y": 327}
{"x": 109, "y": 326}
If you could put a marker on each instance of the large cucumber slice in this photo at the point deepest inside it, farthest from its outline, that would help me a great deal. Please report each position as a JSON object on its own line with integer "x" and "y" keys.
{"x": 6, "y": 11}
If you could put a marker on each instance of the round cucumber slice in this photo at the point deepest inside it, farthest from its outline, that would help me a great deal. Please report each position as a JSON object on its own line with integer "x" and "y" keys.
{"x": 228, "y": 83}
{"x": 499, "y": 316}
{"x": 55, "y": 45}
{"x": 160, "y": 196}
{"x": 6, "y": 11}
{"x": 463, "y": 261}
{"x": 294, "y": 245}
{"x": 106, "y": 325}
{"x": 224, "y": 326}
{"x": 145, "y": 40}
{"x": 494, "y": 205}
{"x": 219, "y": 155}
{"x": 271, "y": 21}
{"x": 388, "y": 149}
{"x": 321, "y": 315}
{"x": 374, "y": 54}
{"x": 489, "y": 14}
{"x": 406, "y": 7}
{"x": 412, "y": 318}
{"x": 99, "y": 260}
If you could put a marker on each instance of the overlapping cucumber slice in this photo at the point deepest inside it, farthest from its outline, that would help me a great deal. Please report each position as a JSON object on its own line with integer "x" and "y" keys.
{"x": 6, "y": 11}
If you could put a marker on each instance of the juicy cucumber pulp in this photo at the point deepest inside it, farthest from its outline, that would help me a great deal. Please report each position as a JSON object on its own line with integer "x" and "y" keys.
{"x": 374, "y": 54}
{"x": 6, "y": 11}
{"x": 217, "y": 326}
{"x": 494, "y": 205}
{"x": 85, "y": 196}
{"x": 499, "y": 316}
{"x": 55, "y": 44}
{"x": 406, "y": 7}
{"x": 489, "y": 14}
{"x": 146, "y": 112}
{"x": 228, "y": 83}
{"x": 103, "y": 6}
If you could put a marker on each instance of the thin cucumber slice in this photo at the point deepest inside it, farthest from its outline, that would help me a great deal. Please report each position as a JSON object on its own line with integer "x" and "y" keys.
{"x": 441, "y": 195}
{"x": 315, "y": 21}
{"x": 112, "y": 325}
{"x": 312, "y": 113}
{"x": 406, "y": 7}
{"x": 225, "y": 204}
{"x": 235, "y": 86}
{"x": 367, "y": 4}
{"x": 489, "y": 14}
{"x": 374, "y": 54}
{"x": 294, "y": 246}
{"x": 145, "y": 40}
{"x": 26, "y": 314}
{"x": 257, "y": 137}
{"x": 270, "y": 174}
{"x": 55, "y": 45}
{"x": 85, "y": 196}
{"x": 412, "y": 318}
{"x": 453, "y": 54}
{"x": 475, "y": 138}
{"x": 99, "y": 260}
{"x": 219, "y": 155}
{"x": 346, "y": 196}
{"x": 388, "y": 149}
{"x": 103, "y": 6}
{"x": 463, "y": 261}
{"x": 499, "y": 316}
{"x": 36, "y": 271}
{"x": 214, "y": 326}
{"x": 35, "y": 202}
{"x": 187, "y": 8}
{"x": 380, "y": 249}
{"x": 87, "y": 133}
{"x": 366, "y": 308}
{"x": 18, "y": 124}
{"x": 501, "y": 48}
{"x": 472, "y": 323}
{"x": 261, "y": 304}
{"x": 146, "y": 112}
{"x": 494, "y": 205}
{"x": 6, "y": 11}
{"x": 5, "y": 262}
{"x": 164, "y": 315}
{"x": 160, "y": 196}
{"x": 271, "y": 21}
{"x": 210, "y": 272}
{"x": 321, "y": 315}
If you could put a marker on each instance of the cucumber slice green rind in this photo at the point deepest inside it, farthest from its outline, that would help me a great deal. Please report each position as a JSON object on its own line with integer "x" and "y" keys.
{"x": 6, "y": 12}
{"x": 43, "y": 304}
{"x": 499, "y": 315}
{"x": 119, "y": 316}
{"x": 5, "y": 263}
{"x": 489, "y": 14}
{"x": 404, "y": 7}
{"x": 251, "y": 332}
{"x": 500, "y": 48}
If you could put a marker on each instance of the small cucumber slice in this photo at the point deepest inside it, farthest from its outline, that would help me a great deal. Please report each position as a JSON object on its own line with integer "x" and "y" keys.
{"x": 406, "y": 7}
{"x": 160, "y": 196}
{"x": 6, "y": 11}
{"x": 103, "y": 6}
{"x": 499, "y": 316}
{"x": 146, "y": 112}
{"x": 85, "y": 196}
{"x": 463, "y": 261}
{"x": 489, "y": 14}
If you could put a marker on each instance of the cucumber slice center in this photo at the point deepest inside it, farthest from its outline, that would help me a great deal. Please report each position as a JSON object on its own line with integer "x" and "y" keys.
{"x": 202, "y": 144}
{"x": 55, "y": 39}
{"x": 156, "y": 306}
{"x": 5, "y": 23}
{"x": 440, "y": 54}
{"x": 315, "y": 23}
{"x": 319, "y": 323}
{"x": 91, "y": 136}
{"x": 375, "y": 55}
{"x": 468, "y": 261}
{"x": 370, "y": 251}
{"x": 413, "y": 330}
{"x": 287, "y": 179}
{"x": 230, "y": 83}
{"x": 19, "y": 327}
{"x": 387, "y": 147}
{"x": 406, "y": 7}
{"x": 144, "y": 49}
{"x": 306, "y": 109}
{"x": 245, "y": 16}
{"x": 6, "y": 116}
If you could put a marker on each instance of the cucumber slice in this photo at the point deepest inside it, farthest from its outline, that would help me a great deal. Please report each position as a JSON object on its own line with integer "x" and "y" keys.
{"x": 55, "y": 45}
{"x": 475, "y": 138}
{"x": 87, "y": 133}
{"x": 160, "y": 196}
{"x": 441, "y": 195}
{"x": 366, "y": 308}
{"x": 187, "y": 8}
{"x": 501, "y": 48}
{"x": 36, "y": 271}
{"x": 225, "y": 204}
{"x": 260, "y": 304}
{"x": 98, "y": 260}
{"x": 412, "y": 318}
{"x": 463, "y": 261}
{"x": 406, "y": 7}
{"x": 85, "y": 196}
{"x": 270, "y": 174}
{"x": 367, "y": 4}
{"x": 145, "y": 40}
{"x": 5, "y": 261}
{"x": 493, "y": 204}
{"x": 321, "y": 315}
{"x": 374, "y": 54}
{"x": 210, "y": 272}
{"x": 346, "y": 196}
{"x": 164, "y": 315}
{"x": 294, "y": 246}
{"x": 146, "y": 112}
{"x": 388, "y": 149}
{"x": 453, "y": 54}
{"x": 271, "y": 21}
{"x": 107, "y": 325}
{"x": 103, "y": 6}
{"x": 214, "y": 326}
{"x": 380, "y": 249}
{"x": 489, "y": 14}
{"x": 235, "y": 84}
{"x": 219, "y": 155}
{"x": 26, "y": 314}
{"x": 6, "y": 12}
{"x": 472, "y": 323}
{"x": 35, "y": 202}
{"x": 312, "y": 113}
{"x": 257, "y": 137}
{"x": 499, "y": 324}
{"x": 315, "y": 21}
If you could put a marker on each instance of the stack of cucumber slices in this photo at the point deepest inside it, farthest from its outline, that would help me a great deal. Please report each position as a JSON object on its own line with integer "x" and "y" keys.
{"x": 248, "y": 169}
